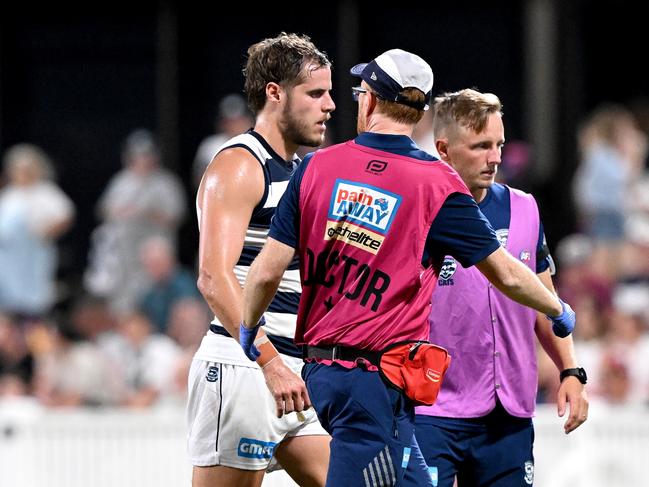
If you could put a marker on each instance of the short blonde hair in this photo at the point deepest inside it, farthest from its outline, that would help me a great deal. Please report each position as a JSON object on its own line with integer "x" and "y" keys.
{"x": 467, "y": 108}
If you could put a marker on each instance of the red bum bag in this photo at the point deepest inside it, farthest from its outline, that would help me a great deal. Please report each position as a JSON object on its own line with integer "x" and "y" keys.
{"x": 415, "y": 368}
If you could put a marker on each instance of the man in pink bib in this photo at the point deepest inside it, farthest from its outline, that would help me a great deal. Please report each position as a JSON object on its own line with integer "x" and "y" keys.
{"x": 480, "y": 428}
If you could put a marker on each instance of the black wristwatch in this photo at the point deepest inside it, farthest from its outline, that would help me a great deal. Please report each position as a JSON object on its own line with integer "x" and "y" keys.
{"x": 576, "y": 372}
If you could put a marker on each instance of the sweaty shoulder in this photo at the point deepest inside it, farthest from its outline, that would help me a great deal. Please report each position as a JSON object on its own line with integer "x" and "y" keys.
{"x": 235, "y": 162}
{"x": 233, "y": 170}
{"x": 241, "y": 153}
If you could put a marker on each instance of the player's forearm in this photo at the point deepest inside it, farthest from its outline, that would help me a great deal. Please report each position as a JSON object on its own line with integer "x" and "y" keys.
{"x": 560, "y": 350}
{"x": 225, "y": 297}
{"x": 258, "y": 292}
{"x": 223, "y": 294}
{"x": 519, "y": 283}
{"x": 264, "y": 278}
{"x": 526, "y": 289}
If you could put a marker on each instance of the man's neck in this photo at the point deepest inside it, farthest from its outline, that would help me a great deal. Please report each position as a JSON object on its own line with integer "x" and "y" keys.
{"x": 269, "y": 130}
{"x": 479, "y": 194}
{"x": 381, "y": 125}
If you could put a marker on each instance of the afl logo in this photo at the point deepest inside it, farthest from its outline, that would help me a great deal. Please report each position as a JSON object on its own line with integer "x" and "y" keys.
{"x": 526, "y": 256}
{"x": 448, "y": 269}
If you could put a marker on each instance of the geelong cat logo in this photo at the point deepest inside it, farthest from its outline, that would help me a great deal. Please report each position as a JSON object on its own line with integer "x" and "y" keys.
{"x": 446, "y": 272}
{"x": 367, "y": 206}
{"x": 529, "y": 472}
{"x": 448, "y": 268}
{"x": 212, "y": 374}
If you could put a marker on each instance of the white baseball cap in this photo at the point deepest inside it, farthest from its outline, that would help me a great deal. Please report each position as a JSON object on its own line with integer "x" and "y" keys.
{"x": 394, "y": 70}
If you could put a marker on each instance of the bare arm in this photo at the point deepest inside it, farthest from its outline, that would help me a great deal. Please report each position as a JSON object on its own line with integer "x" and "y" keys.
{"x": 560, "y": 350}
{"x": 562, "y": 353}
{"x": 261, "y": 285}
{"x": 518, "y": 282}
{"x": 264, "y": 278}
{"x": 231, "y": 188}
{"x": 57, "y": 229}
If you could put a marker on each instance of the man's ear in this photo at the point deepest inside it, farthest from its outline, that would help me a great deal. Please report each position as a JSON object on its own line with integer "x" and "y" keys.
{"x": 274, "y": 92}
{"x": 372, "y": 101}
{"x": 442, "y": 149}
{"x": 368, "y": 104}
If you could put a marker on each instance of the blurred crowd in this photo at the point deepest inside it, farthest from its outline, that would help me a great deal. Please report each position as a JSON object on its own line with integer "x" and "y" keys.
{"x": 129, "y": 333}
{"x": 603, "y": 268}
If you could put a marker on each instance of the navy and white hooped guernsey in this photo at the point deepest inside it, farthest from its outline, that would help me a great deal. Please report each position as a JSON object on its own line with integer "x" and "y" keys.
{"x": 281, "y": 314}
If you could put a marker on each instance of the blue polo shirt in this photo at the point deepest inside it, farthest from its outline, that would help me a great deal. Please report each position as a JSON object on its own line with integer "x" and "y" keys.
{"x": 496, "y": 206}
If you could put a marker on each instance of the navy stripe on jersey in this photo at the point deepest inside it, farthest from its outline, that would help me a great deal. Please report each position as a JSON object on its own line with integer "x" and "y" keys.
{"x": 284, "y": 302}
{"x": 248, "y": 254}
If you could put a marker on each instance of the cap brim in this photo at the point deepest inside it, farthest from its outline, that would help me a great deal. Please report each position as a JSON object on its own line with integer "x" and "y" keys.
{"x": 358, "y": 69}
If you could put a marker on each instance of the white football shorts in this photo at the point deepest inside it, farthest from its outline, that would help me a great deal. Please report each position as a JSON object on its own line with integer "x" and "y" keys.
{"x": 231, "y": 416}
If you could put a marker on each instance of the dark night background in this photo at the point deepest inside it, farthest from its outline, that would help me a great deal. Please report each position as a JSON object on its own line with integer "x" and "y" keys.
{"x": 77, "y": 80}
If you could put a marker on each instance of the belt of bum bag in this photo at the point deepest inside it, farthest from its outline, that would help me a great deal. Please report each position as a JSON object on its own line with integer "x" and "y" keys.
{"x": 340, "y": 352}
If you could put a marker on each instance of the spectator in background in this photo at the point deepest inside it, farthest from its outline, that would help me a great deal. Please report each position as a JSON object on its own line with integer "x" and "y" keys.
{"x": 627, "y": 340}
{"x": 141, "y": 201}
{"x": 91, "y": 316}
{"x": 590, "y": 290}
{"x": 635, "y": 259}
{"x": 615, "y": 385}
{"x": 186, "y": 327}
{"x": 70, "y": 370}
{"x": 613, "y": 151}
{"x": 233, "y": 118}
{"x": 16, "y": 361}
{"x": 581, "y": 273}
{"x": 186, "y": 323}
{"x": 34, "y": 212}
{"x": 168, "y": 282}
{"x": 143, "y": 359}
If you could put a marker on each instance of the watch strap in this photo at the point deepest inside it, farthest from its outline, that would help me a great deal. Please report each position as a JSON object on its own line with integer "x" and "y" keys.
{"x": 578, "y": 372}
